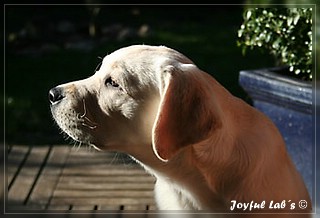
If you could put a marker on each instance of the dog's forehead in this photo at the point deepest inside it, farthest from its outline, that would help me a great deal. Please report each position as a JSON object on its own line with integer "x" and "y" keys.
{"x": 133, "y": 58}
{"x": 140, "y": 61}
{"x": 141, "y": 50}
{"x": 136, "y": 54}
{"x": 144, "y": 54}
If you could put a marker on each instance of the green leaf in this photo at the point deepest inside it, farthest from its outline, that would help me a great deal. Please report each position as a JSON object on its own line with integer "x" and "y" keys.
{"x": 296, "y": 19}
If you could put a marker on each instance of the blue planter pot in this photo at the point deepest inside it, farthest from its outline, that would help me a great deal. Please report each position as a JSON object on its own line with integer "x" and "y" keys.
{"x": 288, "y": 103}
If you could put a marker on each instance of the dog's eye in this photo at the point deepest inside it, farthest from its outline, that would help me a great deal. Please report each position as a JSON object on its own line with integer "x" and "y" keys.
{"x": 110, "y": 82}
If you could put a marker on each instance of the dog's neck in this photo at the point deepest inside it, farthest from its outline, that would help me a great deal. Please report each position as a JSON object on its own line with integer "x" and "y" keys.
{"x": 180, "y": 171}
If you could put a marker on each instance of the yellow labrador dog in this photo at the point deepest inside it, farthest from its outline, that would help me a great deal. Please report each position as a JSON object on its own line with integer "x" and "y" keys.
{"x": 208, "y": 149}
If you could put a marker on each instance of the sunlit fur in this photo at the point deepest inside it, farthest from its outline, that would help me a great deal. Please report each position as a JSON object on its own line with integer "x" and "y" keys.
{"x": 204, "y": 146}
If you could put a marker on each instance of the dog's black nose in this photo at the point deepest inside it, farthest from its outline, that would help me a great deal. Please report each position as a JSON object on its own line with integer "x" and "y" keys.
{"x": 56, "y": 95}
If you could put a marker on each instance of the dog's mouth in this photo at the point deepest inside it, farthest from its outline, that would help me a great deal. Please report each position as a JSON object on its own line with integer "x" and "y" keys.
{"x": 75, "y": 121}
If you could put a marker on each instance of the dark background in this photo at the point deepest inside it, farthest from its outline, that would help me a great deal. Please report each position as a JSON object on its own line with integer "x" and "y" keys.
{"x": 47, "y": 45}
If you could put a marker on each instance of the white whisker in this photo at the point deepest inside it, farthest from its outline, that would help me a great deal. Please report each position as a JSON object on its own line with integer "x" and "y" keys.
{"x": 85, "y": 121}
{"x": 84, "y": 109}
{"x": 79, "y": 146}
{"x": 87, "y": 125}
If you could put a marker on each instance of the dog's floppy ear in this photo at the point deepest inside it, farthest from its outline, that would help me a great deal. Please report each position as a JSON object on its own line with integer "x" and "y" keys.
{"x": 185, "y": 114}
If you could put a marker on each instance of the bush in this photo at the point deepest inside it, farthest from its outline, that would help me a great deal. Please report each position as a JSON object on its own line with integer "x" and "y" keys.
{"x": 285, "y": 33}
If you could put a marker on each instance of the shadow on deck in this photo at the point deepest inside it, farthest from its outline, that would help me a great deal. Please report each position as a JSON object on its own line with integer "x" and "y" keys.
{"x": 43, "y": 178}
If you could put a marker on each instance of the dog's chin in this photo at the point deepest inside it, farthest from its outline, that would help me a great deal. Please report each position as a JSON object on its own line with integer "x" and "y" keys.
{"x": 78, "y": 137}
{"x": 72, "y": 125}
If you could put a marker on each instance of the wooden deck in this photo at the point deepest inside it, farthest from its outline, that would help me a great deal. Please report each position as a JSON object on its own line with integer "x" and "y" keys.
{"x": 70, "y": 178}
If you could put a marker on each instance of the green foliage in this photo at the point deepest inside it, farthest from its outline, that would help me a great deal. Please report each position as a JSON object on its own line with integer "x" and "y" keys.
{"x": 286, "y": 33}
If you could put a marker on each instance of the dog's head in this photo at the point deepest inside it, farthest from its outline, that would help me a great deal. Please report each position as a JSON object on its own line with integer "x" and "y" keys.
{"x": 141, "y": 95}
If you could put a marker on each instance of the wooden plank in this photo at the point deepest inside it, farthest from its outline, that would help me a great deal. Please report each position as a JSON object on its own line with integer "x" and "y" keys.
{"x": 114, "y": 207}
{"x": 50, "y": 175}
{"x": 101, "y": 170}
{"x": 19, "y": 207}
{"x": 102, "y": 157}
{"x": 102, "y": 193}
{"x": 85, "y": 207}
{"x": 105, "y": 186}
{"x": 136, "y": 207}
{"x": 16, "y": 159}
{"x": 85, "y": 151}
{"x": 24, "y": 182}
{"x": 60, "y": 207}
{"x": 144, "y": 178}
